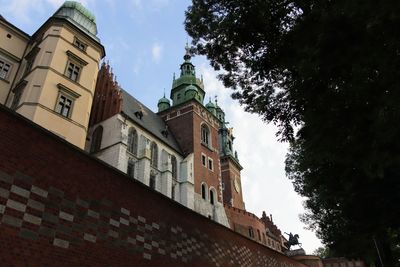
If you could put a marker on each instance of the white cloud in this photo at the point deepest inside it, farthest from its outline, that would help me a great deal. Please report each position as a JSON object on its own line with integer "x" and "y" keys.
{"x": 156, "y": 52}
{"x": 265, "y": 186}
{"x": 21, "y": 10}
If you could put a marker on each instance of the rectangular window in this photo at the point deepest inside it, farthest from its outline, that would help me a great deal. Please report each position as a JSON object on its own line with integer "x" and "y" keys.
{"x": 152, "y": 182}
{"x": 5, "y": 68}
{"x": 64, "y": 106}
{"x": 203, "y": 160}
{"x": 17, "y": 98}
{"x": 18, "y": 92}
{"x": 210, "y": 164}
{"x": 79, "y": 44}
{"x": 131, "y": 169}
{"x": 30, "y": 59}
{"x": 73, "y": 71}
{"x": 29, "y": 64}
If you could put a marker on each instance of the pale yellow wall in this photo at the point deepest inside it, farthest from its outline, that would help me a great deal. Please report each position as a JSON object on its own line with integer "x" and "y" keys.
{"x": 40, "y": 96}
{"x": 64, "y": 128}
{"x": 14, "y": 45}
{"x": 11, "y": 50}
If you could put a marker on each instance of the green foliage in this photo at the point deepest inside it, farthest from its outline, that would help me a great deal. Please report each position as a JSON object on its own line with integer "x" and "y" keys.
{"x": 329, "y": 69}
{"x": 322, "y": 252}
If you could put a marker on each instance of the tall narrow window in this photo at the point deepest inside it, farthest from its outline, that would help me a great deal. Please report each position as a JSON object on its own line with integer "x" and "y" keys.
{"x": 17, "y": 97}
{"x": 131, "y": 168}
{"x": 132, "y": 141}
{"x": 210, "y": 164}
{"x": 251, "y": 232}
{"x": 96, "y": 139}
{"x": 64, "y": 106}
{"x": 205, "y": 135}
{"x": 154, "y": 154}
{"x": 203, "y": 191}
{"x": 174, "y": 167}
{"x": 173, "y": 191}
{"x": 152, "y": 182}
{"x": 259, "y": 234}
{"x": 4, "y": 69}
{"x": 203, "y": 160}
{"x": 212, "y": 197}
{"x": 29, "y": 64}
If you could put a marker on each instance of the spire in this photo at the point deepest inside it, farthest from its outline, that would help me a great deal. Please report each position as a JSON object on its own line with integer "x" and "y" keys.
{"x": 187, "y": 55}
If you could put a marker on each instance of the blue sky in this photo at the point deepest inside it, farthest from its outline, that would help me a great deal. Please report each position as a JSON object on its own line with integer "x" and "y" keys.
{"x": 144, "y": 42}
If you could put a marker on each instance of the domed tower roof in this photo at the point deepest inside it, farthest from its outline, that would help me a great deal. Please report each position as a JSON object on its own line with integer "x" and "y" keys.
{"x": 210, "y": 105}
{"x": 80, "y": 16}
{"x": 164, "y": 100}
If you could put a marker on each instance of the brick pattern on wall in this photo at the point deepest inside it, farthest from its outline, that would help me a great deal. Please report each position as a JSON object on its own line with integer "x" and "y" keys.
{"x": 66, "y": 222}
{"x": 59, "y": 206}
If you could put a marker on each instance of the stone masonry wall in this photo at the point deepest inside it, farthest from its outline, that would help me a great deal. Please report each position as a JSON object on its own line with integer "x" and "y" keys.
{"x": 59, "y": 206}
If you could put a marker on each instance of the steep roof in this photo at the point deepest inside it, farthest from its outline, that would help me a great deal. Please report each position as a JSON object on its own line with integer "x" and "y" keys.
{"x": 150, "y": 121}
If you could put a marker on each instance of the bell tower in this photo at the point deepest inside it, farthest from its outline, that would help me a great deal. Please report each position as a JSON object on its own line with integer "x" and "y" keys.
{"x": 195, "y": 128}
{"x": 187, "y": 86}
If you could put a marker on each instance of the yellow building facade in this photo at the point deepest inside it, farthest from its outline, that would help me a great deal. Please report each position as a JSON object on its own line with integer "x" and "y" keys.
{"x": 50, "y": 77}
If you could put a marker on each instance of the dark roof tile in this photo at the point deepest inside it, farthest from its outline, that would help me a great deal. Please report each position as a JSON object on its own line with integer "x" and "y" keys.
{"x": 150, "y": 120}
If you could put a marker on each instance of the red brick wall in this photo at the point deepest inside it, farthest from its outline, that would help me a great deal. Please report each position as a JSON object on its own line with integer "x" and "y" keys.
{"x": 186, "y": 128}
{"x": 59, "y": 206}
{"x": 228, "y": 172}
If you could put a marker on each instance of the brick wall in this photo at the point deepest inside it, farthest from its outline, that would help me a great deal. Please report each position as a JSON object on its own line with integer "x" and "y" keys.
{"x": 58, "y": 206}
{"x": 228, "y": 172}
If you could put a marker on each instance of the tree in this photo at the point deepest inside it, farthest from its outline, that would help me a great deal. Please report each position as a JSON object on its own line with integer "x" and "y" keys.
{"x": 329, "y": 69}
{"x": 322, "y": 252}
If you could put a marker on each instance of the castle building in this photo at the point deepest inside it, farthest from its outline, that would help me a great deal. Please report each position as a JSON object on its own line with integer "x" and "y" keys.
{"x": 184, "y": 150}
{"x": 50, "y": 77}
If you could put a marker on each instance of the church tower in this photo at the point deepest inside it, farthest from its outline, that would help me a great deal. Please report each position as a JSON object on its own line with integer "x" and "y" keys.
{"x": 230, "y": 166}
{"x": 196, "y": 129}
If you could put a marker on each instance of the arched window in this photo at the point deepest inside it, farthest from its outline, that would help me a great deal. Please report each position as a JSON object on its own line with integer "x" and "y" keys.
{"x": 132, "y": 141}
{"x": 152, "y": 182}
{"x": 203, "y": 191}
{"x": 205, "y": 135}
{"x": 174, "y": 167}
{"x": 96, "y": 139}
{"x": 154, "y": 154}
{"x": 212, "y": 196}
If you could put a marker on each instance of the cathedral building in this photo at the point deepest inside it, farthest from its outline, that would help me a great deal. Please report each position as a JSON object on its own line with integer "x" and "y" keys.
{"x": 184, "y": 151}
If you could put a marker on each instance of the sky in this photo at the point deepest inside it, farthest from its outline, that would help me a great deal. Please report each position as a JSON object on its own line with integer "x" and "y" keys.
{"x": 144, "y": 42}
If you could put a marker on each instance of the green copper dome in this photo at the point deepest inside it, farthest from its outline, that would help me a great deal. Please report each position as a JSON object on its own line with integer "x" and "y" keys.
{"x": 164, "y": 100}
{"x": 81, "y": 8}
{"x": 80, "y": 16}
{"x": 163, "y": 104}
{"x": 210, "y": 105}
